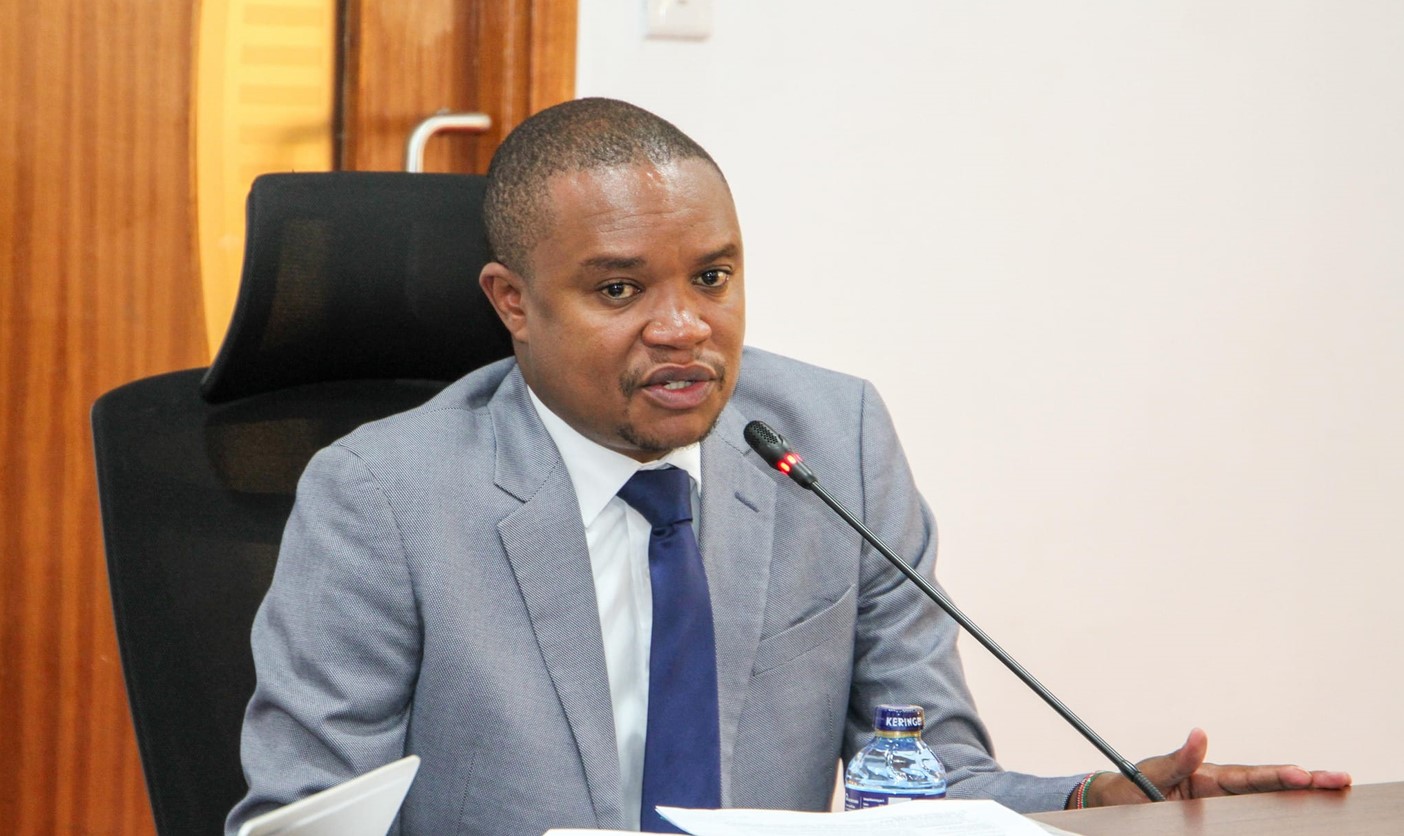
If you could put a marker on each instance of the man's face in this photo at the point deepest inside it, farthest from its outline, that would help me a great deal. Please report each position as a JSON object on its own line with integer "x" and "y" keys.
{"x": 631, "y": 323}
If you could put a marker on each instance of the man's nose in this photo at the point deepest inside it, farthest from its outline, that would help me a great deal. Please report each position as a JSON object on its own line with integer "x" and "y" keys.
{"x": 676, "y": 322}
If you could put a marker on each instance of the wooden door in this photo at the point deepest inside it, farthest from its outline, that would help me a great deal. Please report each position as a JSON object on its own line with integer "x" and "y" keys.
{"x": 406, "y": 61}
{"x": 100, "y": 284}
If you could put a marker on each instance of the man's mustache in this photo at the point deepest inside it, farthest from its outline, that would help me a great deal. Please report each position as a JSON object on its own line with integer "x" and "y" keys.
{"x": 633, "y": 379}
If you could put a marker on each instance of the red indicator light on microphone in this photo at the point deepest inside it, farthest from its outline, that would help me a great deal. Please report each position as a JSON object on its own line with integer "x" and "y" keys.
{"x": 783, "y": 466}
{"x": 787, "y": 463}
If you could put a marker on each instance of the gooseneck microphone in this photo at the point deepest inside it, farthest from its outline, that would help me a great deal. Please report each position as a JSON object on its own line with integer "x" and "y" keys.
{"x": 777, "y": 453}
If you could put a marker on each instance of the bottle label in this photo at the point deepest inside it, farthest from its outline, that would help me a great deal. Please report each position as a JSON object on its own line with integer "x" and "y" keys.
{"x": 899, "y": 719}
{"x": 854, "y": 799}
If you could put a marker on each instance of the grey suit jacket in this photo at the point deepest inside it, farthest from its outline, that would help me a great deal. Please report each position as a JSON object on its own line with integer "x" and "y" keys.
{"x": 434, "y": 596}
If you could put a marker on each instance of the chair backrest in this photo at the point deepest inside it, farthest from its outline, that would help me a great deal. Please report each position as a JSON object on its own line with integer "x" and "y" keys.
{"x": 356, "y": 276}
{"x": 359, "y": 299}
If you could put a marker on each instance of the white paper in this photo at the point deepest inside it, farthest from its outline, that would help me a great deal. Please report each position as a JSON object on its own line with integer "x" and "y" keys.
{"x": 947, "y": 817}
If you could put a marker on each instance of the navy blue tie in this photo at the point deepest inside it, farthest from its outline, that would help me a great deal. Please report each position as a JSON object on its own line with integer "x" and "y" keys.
{"x": 682, "y": 747}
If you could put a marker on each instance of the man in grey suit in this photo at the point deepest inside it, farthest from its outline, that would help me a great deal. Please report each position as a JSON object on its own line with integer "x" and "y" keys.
{"x": 461, "y": 582}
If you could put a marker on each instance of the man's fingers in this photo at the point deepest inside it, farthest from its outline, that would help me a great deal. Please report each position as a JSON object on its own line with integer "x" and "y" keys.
{"x": 1322, "y": 779}
{"x": 1236, "y": 780}
{"x": 1184, "y": 774}
{"x": 1190, "y": 757}
{"x": 1170, "y": 770}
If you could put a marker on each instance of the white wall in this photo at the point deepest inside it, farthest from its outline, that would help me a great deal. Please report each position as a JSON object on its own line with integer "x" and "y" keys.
{"x": 1131, "y": 279}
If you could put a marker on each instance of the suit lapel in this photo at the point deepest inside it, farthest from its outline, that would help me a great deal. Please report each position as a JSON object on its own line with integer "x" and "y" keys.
{"x": 738, "y": 526}
{"x": 545, "y": 543}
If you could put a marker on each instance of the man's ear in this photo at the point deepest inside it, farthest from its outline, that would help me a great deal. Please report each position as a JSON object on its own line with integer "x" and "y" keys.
{"x": 505, "y": 290}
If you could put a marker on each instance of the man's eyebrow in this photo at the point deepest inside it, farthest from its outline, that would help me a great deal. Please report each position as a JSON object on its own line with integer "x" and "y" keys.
{"x": 728, "y": 251}
{"x": 607, "y": 263}
{"x": 610, "y": 263}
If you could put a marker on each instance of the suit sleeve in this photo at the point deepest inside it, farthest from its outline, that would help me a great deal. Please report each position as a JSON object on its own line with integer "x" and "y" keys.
{"x": 336, "y": 643}
{"x": 905, "y": 648}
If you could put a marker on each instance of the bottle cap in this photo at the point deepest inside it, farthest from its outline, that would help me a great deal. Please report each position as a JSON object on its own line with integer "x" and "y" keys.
{"x": 902, "y": 719}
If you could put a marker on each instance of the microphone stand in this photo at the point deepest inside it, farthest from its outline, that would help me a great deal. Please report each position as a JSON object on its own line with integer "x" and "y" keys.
{"x": 794, "y": 467}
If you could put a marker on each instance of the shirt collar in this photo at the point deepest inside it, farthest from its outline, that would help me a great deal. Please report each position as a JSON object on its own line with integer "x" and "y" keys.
{"x": 599, "y": 472}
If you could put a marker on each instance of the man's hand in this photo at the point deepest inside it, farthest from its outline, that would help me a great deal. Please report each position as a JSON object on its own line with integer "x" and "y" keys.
{"x": 1184, "y": 774}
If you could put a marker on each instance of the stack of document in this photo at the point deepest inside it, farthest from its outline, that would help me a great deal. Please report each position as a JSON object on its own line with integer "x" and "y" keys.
{"x": 947, "y": 817}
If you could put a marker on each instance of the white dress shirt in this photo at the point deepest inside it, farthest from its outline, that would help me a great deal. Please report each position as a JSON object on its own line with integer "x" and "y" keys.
{"x": 617, "y": 537}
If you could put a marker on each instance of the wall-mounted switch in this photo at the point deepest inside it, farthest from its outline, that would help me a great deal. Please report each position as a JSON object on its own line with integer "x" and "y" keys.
{"x": 679, "y": 18}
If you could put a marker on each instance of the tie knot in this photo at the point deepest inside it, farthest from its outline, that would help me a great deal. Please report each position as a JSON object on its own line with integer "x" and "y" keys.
{"x": 663, "y": 496}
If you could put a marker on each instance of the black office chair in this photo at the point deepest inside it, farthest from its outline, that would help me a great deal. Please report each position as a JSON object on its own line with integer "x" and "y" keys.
{"x": 359, "y": 299}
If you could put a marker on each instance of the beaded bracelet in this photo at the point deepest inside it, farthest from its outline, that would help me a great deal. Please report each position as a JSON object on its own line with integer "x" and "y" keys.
{"x": 1078, "y": 799}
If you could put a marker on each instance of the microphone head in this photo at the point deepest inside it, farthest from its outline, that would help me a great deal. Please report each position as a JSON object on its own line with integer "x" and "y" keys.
{"x": 776, "y": 451}
{"x": 770, "y": 444}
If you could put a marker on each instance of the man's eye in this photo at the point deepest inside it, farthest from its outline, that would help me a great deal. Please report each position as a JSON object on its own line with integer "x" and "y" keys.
{"x": 619, "y": 290}
{"x": 712, "y": 278}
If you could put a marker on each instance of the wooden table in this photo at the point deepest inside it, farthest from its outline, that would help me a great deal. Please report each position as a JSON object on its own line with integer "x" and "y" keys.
{"x": 1368, "y": 810}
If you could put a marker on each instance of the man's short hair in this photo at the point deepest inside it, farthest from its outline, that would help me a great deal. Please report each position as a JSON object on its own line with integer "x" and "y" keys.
{"x": 579, "y": 135}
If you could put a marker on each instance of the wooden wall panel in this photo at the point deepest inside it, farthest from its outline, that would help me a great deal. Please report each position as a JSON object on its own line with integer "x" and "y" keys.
{"x": 405, "y": 62}
{"x": 97, "y": 287}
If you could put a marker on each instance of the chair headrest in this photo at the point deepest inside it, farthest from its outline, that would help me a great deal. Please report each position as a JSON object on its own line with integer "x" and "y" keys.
{"x": 359, "y": 275}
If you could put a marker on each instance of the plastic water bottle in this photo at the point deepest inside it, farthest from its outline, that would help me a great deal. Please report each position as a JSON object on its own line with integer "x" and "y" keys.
{"x": 896, "y": 765}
